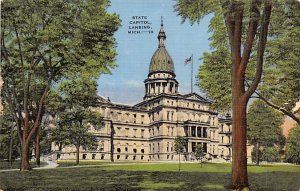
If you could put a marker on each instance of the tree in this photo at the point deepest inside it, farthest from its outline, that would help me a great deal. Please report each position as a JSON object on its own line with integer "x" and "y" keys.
{"x": 43, "y": 42}
{"x": 264, "y": 127}
{"x": 76, "y": 127}
{"x": 280, "y": 84}
{"x": 270, "y": 154}
{"x": 179, "y": 147}
{"x": 293, "y": 146}
{"x": 8, "y": 142}
{"x": 199, "y": 153}
{"x": 245, "y": 26}
{"x": 78, "y": 96}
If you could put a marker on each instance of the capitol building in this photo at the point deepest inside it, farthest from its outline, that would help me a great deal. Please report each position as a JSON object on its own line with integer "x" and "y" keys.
{"x": 146, "y": 131}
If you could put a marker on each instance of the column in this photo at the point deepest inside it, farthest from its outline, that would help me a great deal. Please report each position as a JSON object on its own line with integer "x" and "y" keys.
{"x": 168, "y": 87}
{"x": 161, "y": 87}
{"x": 201, "y": 129}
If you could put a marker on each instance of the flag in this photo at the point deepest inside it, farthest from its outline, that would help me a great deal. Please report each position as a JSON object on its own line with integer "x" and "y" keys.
{"x": 188, "y": 60}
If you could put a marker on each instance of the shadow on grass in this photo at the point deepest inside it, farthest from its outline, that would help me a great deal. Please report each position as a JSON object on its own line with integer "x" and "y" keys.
{"x": 83, "y": 179}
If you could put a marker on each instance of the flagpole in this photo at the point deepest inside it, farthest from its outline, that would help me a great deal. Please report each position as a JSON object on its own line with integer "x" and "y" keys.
{"x": 192, "y": 75}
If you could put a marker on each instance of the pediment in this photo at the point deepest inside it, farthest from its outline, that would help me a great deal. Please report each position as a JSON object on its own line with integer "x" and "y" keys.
{"x": 195, "y": 96}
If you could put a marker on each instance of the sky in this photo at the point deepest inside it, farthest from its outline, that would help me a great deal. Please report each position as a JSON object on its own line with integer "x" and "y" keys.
{"x": 125, "y": 84}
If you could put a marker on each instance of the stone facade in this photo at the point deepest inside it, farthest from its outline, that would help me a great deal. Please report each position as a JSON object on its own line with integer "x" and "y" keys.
{"x": 146, "y": 131}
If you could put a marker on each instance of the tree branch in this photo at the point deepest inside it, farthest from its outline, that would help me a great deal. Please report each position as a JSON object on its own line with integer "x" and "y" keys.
{"x": 254, "y": 18}
{"x": 40, "y": 108}
{"x": 282, "y": 110}
{"x": 229, "y": 22}
{"x": 261, "y": 48}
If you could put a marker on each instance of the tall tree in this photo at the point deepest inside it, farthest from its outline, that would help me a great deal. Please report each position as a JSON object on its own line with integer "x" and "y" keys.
{"x": 199, "y": 153}
{"x": 293, "y": 146}
{"x": 77, "y": 119}
{"x": 246, "y": 24}
{"x": 280, "y": 83}
{"x": 179, "y": 148}
{"x": 264, "y": 127}
{"x": 8, "y": 134}
{"x": 45, "y": 41}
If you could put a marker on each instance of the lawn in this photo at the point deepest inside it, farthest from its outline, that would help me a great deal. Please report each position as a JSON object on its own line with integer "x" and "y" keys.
{"x": 16, "y": 164}
{"x": 149, "y": 177}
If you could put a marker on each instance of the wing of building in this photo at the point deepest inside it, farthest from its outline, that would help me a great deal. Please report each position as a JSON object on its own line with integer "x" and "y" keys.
{"x": 146, "y": 131}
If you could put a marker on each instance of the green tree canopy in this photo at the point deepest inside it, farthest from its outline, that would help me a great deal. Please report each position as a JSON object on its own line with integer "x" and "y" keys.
{"x": 241, "y": 28}
{"x": 293, "y": 146}
{"x": 264, "y": 130}
{"x": 280, "y": 84}
{"x": 44, "y": 42}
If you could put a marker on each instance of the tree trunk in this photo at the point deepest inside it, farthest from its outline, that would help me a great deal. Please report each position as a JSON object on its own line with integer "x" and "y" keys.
{"x": 257, "y": 153}
{"x": 25, "y": 145}
{"x": 10, "y": 146}
{"x": 77, "y": 155}
{"x": 179, "y": 162}
{"x": 239, "y": 136}
{"x": 201, "y": 162}
{"x": 24, "y": 156}
{"x": 38, "y": 147}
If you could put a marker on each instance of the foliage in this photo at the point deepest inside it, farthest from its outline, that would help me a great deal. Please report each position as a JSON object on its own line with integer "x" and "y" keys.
{"x": 179, "y": 145}
{"x": 44, "y": 42}
{"x": 7, "y": 129}
{"x": 270, "y": 154}
{"x": 74, "y": 116}
{"x": 247, "y": 33}
{"x": 264, "y": 125}
{"x": 293, "y": 146}
{"x": 280, "y": 80}
{"x": 199, "y": 152}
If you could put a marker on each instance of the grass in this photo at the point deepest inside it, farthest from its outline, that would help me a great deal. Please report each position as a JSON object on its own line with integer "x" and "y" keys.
{"x": 150, "y": 177}
{"x": 16, "y": 165}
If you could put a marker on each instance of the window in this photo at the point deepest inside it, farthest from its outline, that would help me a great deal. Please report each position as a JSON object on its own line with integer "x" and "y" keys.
{"x": 167, "y": 156}
{"x": 118, "y": 157}
{"x": 142, "y": 133}
{"x": 168, "y": 147}
{"x": 119, "y": 116}
{"x": 102, "y": 146}
{"x": 126, "y": 149}
{"x": 118, "y": 150}
{"x": 126, "y": 132}
{"x": 142, "y": 157}
{"x": 193, "y": 131}
{"x": 134, "y": 157}
{"x": 126, "y": 157}
{"x": 93, "y": 156}
{"x": 84, "y": 156}
{"x": 102, "y": 156}
{"x": 134, "y": 150}
{"x": 143, "y": 151}
{"x": 127, "y": 117}
{"x": 134, "y": 132}
{"x": 222, "y": 139}
{"x": 134, "y": 118}
{"x": 142, "y": 119}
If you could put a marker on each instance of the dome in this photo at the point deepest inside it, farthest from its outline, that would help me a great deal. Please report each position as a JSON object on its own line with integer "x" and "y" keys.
{"x": 161, "y": 61}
